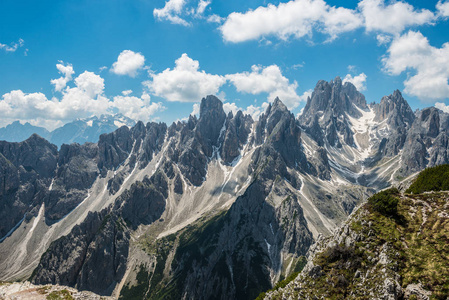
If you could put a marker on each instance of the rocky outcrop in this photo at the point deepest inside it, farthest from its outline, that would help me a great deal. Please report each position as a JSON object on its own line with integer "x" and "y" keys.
{"x": 396, "y": 112}
{"x": 92, "y": 257}
{"x": 25, "y": 172}
{"x": 426, "y": 141}
{"x": 236, "y": 136}
{"x": 327, "y": 109}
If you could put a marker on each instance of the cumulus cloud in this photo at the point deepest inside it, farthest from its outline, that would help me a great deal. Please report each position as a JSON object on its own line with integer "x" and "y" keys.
{"x": 266, "y": 80}
{"x": 295, "y": 18}
{"x": 13, "y": 46}
{"x": 172, "y": 12}
{"x": 195, "y": 110}
{"x": 231, "y": 107}
{"x": 66, "y": 71}
{"x": 185, "y": 82}
{"x": 412, "y": 52}
{"x": 442, "y": 106}
{"x": 128, "y": 63}
{"x": 299, "y": 18}
{"x": 358, "y": 81}
{"x": 393, "y": 18}
{"x": 443, "y": 8}
{"x": 202, "y": 4}
{"x": 383, "y": 39}
{"x": 83, "y": 100}
{"x": 137, "y": 108}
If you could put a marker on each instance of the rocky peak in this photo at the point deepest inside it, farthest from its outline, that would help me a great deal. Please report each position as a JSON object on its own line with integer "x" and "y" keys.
{"x": 278, "y": 130}
{"x": 35, "y": 153}
{"x": 430, "y": 119}
{"x": 210, "y": 124}
{"x": 333, "y": 99}
{"x": 396, "y": 108}
{"x": 326, "y": 111}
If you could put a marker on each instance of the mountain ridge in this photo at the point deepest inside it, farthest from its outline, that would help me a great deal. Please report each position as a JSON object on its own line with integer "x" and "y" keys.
{"x": 78, "y": 131}
{"x": 256, "y": 193}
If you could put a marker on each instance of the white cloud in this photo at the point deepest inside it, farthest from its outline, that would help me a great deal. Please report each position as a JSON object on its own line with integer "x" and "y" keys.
{"x": 202, "y": 4}
{"x": 137, "y": 108}
{"x": 256, "y": 111}
{"x": 295, "y": 18}
{"x": 171, "y": 12}
{"x": 13, "y": 46}
{"x": 443, "y": 9}
{"x": 299, "y": 18}
{"x": 184, "y": 83}
{"x": 128, "y": 63}
{"x": 393, "y": 18}
{"x": 195, "y": 110}
{"x": 215, "y": 19}
{"x": 228, "y": 107}
{"x": 67, "y": 72}
{"x": 127, "y": 92}
{"x": 267, "y": 80}
{"x": 84, "y": 100}
{"x": 305, "y": 95}
{"x": 442, "y": 106}
{"x": 412, "y": 51}
{"x": 383, "y": 39}
{"x": 358, "y": 81}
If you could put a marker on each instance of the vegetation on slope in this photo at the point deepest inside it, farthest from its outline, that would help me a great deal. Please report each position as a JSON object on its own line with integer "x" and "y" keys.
{"x": 431, "y": 179}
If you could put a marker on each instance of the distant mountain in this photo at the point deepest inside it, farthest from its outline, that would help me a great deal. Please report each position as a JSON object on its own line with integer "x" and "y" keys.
{"x": 17, "y": 132}
{"x": 78, "y": 131}
{"x": 88, "y": 130}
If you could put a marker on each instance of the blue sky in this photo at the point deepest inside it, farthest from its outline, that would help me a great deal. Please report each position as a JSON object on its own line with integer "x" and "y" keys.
{"x": 154, "y": 60}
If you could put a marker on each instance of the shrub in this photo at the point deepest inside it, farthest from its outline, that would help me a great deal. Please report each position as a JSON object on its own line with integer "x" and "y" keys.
{"x": 431, "y": 179}
{"x": 385, "y": 202}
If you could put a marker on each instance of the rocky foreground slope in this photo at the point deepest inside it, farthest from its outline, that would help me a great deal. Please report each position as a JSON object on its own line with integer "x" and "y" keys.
{"x": 220, "y": 205}
{"x": 394, "y": 247}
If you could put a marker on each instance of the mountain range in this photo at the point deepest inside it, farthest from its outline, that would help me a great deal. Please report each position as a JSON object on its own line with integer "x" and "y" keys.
{"x": 216, "y": 207}
{"x": 78, "y": 131}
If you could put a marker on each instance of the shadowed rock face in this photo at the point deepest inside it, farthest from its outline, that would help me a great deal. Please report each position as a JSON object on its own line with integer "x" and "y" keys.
{"x": 92, "y": 257}
{"x": 26, "y": 169}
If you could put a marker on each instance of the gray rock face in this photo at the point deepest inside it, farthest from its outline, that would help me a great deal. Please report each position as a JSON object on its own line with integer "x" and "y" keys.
{"x": 195, "y": 143}
{"x": 278, "y": 129}
{"x": 25, "y": 171}
{"x": 144, "y": 202}
{"x": 237, "y": 131}
{"x": 92, "y": 257}
{"x": 210, "y": 124}
{"x": 426, "y": 141}
{"x": 325, "y": 114}
{"x": 394, "y": 110}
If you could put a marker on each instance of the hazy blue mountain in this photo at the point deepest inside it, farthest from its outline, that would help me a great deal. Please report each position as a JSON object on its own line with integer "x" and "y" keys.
{"x": 78, "y": 131}
{"x": 17, "y": 132}
{"x": 88, "y": 130}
